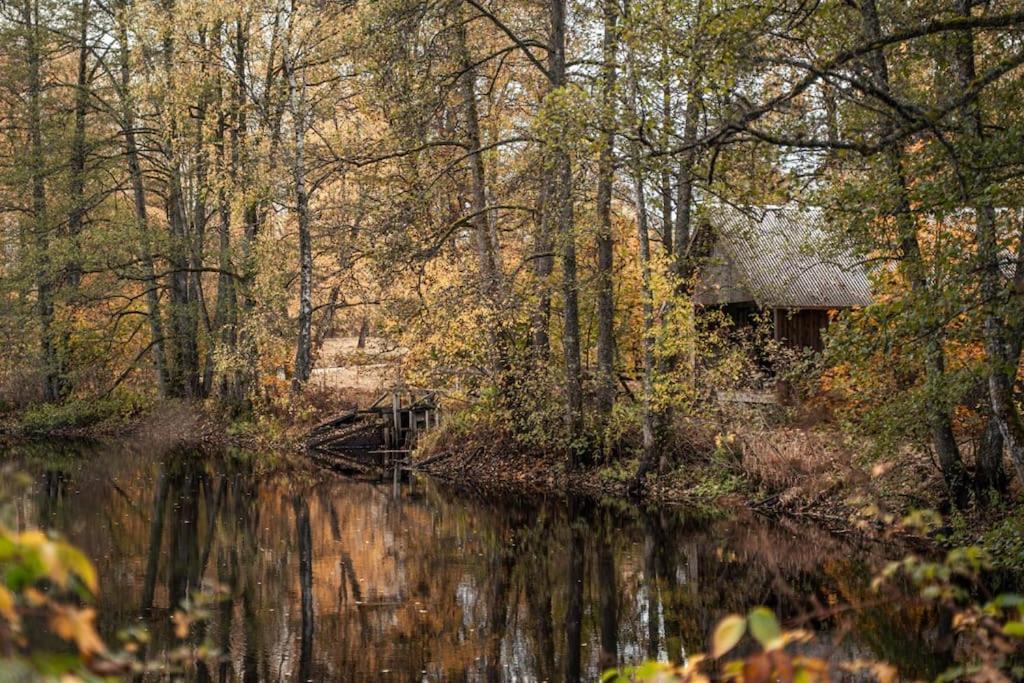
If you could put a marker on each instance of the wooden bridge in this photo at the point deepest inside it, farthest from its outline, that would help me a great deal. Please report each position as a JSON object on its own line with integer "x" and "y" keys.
{"x": 378, "y": 437}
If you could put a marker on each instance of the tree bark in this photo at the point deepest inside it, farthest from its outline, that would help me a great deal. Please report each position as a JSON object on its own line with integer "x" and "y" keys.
{"x": 184, "y": 373}
{"x": 483, "y": 220}
{"x": 76, "y": 214}
{"x": 53, "y": 385}
{"x": 245, "y": 376}
{"x": 478, "y": 178}
{"x": 651, "y": 457}
{"x": 684, "y": 176}
{"x": 543, "y": 266}
{"x": 561, "y": 216}
{"x": 303, "y": 348}
{"x": 226, "y": 306}
{"x": 605, "y": 181}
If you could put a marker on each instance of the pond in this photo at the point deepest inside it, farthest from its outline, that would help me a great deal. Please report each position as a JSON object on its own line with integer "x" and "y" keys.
{"x": 330, "y": 578}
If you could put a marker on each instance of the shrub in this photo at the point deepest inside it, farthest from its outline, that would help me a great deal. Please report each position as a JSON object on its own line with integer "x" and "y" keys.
{"x": 48, "y": 418}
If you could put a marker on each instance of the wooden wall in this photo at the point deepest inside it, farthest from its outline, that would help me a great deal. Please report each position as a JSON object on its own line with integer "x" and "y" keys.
{"x": 801, "y": 328}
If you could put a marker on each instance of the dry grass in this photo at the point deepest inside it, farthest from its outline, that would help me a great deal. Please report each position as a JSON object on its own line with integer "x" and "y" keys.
{"x": 796, "y": 464}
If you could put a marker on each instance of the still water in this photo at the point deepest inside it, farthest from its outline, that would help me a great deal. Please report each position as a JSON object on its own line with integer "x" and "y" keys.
{"x": 329, "y": 578}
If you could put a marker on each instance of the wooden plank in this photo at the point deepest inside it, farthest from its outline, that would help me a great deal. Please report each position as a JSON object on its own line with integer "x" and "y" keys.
{"x": 332, "y": 422}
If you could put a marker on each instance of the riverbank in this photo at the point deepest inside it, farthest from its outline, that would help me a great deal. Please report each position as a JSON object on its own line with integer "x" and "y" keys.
{"x": 280, "y": 423}
{"x": 804, "y": 473}
{"x": 807, "y": 474}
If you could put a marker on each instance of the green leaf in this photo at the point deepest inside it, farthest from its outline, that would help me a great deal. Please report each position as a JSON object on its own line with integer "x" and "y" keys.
{"x": 1005, "y": 600}
{"x": 728, "y": 632}
{"x": 1014, "y": 628}
{"x": 764, "y": 627}
{"x": 649, "y": 669}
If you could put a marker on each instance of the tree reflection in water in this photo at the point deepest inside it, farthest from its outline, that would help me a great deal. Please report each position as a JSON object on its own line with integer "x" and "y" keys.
{"x": 333, "y": 579}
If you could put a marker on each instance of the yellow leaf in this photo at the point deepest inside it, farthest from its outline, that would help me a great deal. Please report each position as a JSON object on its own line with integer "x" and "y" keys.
{"x": 76, "y": 561}
{"x": 728, "y": 632}
{"x": 181, "y": 624}
{"x": 33, "y": 538}
{"x": 34, "y": 597}
{"x": 7, "y": 610}
{"x": 76, "y": 625}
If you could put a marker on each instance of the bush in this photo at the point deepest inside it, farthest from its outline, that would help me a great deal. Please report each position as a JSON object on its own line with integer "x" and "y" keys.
{"x": 49, "y": 418}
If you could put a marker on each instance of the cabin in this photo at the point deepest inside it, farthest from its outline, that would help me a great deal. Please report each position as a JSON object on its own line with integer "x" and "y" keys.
{"x": 779, "y": 260}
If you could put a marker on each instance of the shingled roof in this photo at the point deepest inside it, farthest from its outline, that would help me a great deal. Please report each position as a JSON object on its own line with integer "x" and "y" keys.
{"x": 779, "y": 258}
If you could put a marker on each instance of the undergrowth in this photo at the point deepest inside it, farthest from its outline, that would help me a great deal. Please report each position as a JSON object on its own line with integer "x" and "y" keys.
{"x": 109, "y": 412}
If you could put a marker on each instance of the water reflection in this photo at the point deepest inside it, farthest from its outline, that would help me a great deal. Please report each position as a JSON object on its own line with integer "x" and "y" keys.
{"x": 335, "y": 579}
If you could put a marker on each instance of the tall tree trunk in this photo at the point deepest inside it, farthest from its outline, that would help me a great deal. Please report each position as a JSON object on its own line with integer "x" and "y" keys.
{"x": 226, "y": 306}
{"x": 651, "y": 458}
{"x": 304, "y": 341}
{"x": 52, "y": 382}
{"x": 914, "y": 269}
{"x": 76, "y": 214}
{"x": 478, "y": 178}
{"x": 184, "y": 320}
{"x": 605, "y": 181}
{"x": 245, "y": 376}
{"x": 682, "y": 227}
{"x": 200, "y": 190}
{"x": 995, "y": 297}
{"x": 543, "y": 266}
{"x": 666, "y": 133}
{"x": 561, "y": 216}
{"x": 683, "y": 262}
{"x": 156, "y": 330}
{"x": 483, "y": 220}
{"x": 990, "y": 475}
